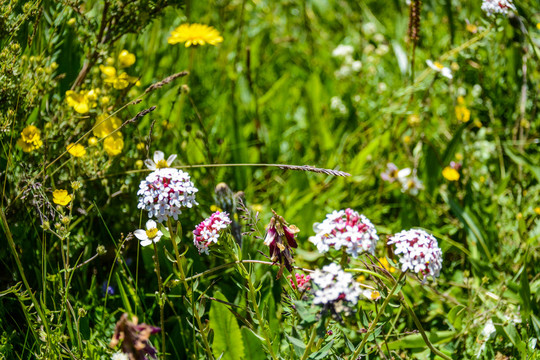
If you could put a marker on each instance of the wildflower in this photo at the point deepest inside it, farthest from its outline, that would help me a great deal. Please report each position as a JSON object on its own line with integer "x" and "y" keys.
{"x": 106, "y": 289}
{"x": 61, "y": 197}
{"x": 126, "y": 59}
{"x": 393, "y": 173}
{"x": 280, "y": 238}
{"x": 150, "y": 235}
{"x": 471, "y": 28}
{"x": 385, "y": 264}
{"x": 371, "y": 294}
{"x": 413, "y": 119}
{"x": 491, "y": 7}
{"x": 347, "y": 229}
{"x": 80, "y": 102}
{"x": 159, "y": 161}
{"x": 450, "y": 174}
{"x": 418, "y": 252}
{"x": 410, "y": 183}
{"x": 462, "y": 113}
{"x": 164, "y": 192}
{"x": 343, "y": 51}
{"x": 333, "y": 285}
{"x": 537, "y": 210}
{"x": 337, "y": 105}
{"x": 134, "y": 338}
{"x": 438, "y": 67}
{"x": 119, "y": 356}
{"x": 76, "y": 185}
{"x": 114, "y": 144}
{"x": 30, "y": 139}
{"x": 76, "y": 150}
{"x": 195, "y": 34}
{"x": 105, "y": 125}
{"x": 92, "y": 141}
{"x": 302, "y": 280}
{"x": 208, "y": 231}
{"x": 119, "y": 82}
{"x": 139, "y": 164}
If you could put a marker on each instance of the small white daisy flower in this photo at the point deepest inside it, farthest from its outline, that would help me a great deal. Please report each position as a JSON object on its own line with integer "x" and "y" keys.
{"x": 159, "y": 162}
{"x": 151, "y": 234}
{"x": 438, "y": 67}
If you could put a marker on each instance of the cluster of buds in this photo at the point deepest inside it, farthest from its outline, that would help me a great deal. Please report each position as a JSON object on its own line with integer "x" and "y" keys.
{"x": 280, "y": 238}
{"x": 208, "y": 231}
{"x": 345, "y": 229}
{"x": 302, "y": 280}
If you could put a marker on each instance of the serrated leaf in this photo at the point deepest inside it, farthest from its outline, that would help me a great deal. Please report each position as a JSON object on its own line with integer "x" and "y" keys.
{"x": 228, "y": 342}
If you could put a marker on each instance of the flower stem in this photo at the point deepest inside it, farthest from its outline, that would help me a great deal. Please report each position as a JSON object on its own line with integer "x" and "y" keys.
{"x": 189, "y": 291}
{"x": 310, "y": 342}
{"x": 253, "y": 295}
{"x": 161, "y": 302}
{"x": 376, "y": 320}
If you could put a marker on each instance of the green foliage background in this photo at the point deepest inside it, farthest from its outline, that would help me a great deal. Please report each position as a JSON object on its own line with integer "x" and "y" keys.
{"x": 264, "y": 96}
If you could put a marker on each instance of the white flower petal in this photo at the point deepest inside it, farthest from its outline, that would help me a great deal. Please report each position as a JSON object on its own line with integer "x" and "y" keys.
{"x": 158, "y": 155}
{"x": 140, "y": 234}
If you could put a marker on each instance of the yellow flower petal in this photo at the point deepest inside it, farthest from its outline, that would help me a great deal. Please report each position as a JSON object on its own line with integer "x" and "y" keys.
{"x": 61, "y": 197}
{"x": 195, "y": 34}
{"x": 114, "y": 144}
{"x": 450, "y": 174}
{"x": 126, "y": 59}
{"x": 76, "y": 150}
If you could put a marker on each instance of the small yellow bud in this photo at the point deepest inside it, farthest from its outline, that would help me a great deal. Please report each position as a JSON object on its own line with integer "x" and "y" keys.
{"x": 76, "y": 185}
{"x": 71, "y": 22}
{"x": 139, "y": 164}
{"x": 92, "y": 141}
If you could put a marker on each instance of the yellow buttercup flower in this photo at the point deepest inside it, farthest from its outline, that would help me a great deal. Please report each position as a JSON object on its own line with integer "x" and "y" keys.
{"x": 195, "y": 34}
{"x": 450, "y": 174}
{"x": 92, "y": 141}
{"x": 105, "y": 125}
{"x": 76, "y": 150}
{"x": 114, "y": 144}
{"x": 30, "y": 139}
{"x": 385, "y": 264}
{"x": 119, "y": 82}
{"x": 108, "y": 71}
{"x": 61, "y": 197}
{"x": 126, "y": 59}
{"x": 82, "y": 101}
{"x": 471, "y": 28}
{"x": 537, "y": 210}
{"x": 462, "y": 113}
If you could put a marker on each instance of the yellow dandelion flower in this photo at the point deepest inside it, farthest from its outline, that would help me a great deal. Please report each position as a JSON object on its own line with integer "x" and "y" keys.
{"x": 105, "y": 125}
{"x": 126, "y": 59}
{"x": 195, "y": 34}
{"x": 450, "y": 174}
{"x": 61, "y": 197}
{"x": 538, "y": 26}
{"x": 76, "y": 150}
{"x": 114, "y": 144}
{"x": 80, "y": 101}
{"x": 537, "y": 210}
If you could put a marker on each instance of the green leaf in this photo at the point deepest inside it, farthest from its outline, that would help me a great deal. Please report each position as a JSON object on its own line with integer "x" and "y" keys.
{"x": 299, "y": 346}
{"x": 252, "y": 345}
{"x": 228, "y": 341}
{"x": 522, "y": 159}
{"x": 322, "y": 354}
{"x": 455, "y": 316}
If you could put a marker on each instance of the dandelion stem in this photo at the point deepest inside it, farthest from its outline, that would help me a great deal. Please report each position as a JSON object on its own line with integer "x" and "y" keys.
{"x": 376, "y": 320}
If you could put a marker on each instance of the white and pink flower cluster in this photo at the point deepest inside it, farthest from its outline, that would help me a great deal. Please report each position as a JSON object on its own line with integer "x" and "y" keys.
{"x": 332, "y": 284}
{"x": 418, "y": 251}
{"x": 491, "y": 7}
{"x": 209, "y": 230}
{"x": 164, "y": 192}
{"x": 347, "y": 229}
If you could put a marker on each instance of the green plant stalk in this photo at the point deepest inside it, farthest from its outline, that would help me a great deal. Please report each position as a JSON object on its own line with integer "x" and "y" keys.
{"x": 161, "y": 303}
{"x": 21, "y": 271}
{"x": 189, "y": 291}
{"x": 253, "y": 296}
{"x": 376, "y": 320}
{"x": 310, "y": 342}
{"x": 422, "y": 331}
